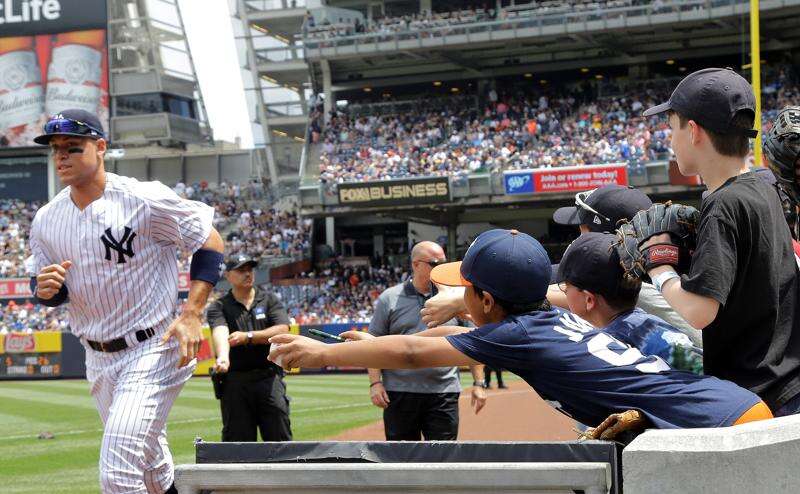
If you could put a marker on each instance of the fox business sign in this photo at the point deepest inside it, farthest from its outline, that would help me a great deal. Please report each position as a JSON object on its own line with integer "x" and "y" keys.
{"x": 429, "y": 190}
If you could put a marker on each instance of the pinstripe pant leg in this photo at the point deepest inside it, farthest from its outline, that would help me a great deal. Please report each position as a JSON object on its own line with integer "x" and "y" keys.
{"x": 134, "y": 456}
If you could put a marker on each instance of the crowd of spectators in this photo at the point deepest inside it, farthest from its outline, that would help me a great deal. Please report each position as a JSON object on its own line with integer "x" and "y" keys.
{"x": 28, "y": 317}
{"x": 513, "y": 130}
{"x": 338, "y": 294}
{"x": 15, "y": 222}
{"x": 506, "y": 130}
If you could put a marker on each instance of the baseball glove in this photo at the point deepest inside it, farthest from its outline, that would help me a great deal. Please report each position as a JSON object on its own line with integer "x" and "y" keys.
{"x": 631, "y": 260}
{"x": 782, "y": 147}
{"x": 676, "y": 219}
{"x": 615, "y": 424}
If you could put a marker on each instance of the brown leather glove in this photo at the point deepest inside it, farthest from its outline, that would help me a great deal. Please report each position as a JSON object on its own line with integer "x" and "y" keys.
{"x": 630, "y": 420}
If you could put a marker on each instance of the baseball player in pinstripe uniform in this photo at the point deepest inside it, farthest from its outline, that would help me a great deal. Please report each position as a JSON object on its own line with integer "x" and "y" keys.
{"x": 107, "y": 245}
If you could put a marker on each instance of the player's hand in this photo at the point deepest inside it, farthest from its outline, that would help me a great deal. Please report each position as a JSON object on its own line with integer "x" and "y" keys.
{"x": 237, "y": 338}
{"x": 379, "y": 396}
{"x": 445, "y": 305}
{"x": 617, "y": 423}
{"x": 297, "y": 351}
{"x": 50, "y": 279}
{"x": 187, "y": 330}
{"x": 222, "y": 365}
{"x": 353, "y": 335}
{"x": 478, "y": 399}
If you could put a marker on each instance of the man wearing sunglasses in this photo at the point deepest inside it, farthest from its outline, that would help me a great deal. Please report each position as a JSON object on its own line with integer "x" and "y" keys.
{"x": 416, "y": 403}
{"x": 107, "y": 245}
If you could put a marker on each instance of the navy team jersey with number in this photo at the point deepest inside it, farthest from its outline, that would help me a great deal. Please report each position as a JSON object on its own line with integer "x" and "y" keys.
{"x": 592, "y": 375}
{"x": 652, "y": 335}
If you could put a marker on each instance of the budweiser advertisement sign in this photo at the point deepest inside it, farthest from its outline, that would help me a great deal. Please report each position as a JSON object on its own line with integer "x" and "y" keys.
{"x": 565, "y": 179}
{"x": 19, "y": 343}
{"x": 53, "y": 56}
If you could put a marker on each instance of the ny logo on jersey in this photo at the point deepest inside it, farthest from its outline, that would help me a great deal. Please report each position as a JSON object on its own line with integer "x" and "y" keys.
{"x": 113, "y": 244}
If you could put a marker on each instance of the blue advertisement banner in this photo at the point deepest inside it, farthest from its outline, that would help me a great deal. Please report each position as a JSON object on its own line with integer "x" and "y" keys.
{"x": 518, "y": 182}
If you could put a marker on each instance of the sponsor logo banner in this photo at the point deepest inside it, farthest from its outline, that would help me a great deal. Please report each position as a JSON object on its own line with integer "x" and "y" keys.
{"x": 578, "y": 178}
{"x": 30, "y": 17}
{"x": 20, "y": 288}
{"x": 395, "y": 192}
{"x": 518, "y": 182}
{"x": 41, "y": 342}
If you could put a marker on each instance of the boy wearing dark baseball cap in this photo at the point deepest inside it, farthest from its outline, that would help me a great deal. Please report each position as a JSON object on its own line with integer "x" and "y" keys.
{"x": 602, "y": 210}
{"x": 591, "y": 374}
{"x": 591, "y": 279}
{"x": 742, "y": 288}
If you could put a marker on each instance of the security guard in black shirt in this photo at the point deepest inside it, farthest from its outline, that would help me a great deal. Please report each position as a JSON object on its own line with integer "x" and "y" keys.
{"x": 253, "y": 395}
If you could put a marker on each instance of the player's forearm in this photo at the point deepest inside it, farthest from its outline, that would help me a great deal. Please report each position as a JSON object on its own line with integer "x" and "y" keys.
{"x": 197, "y": 298}
{"x": 444, "y": 331}
{"x": 697, "y": 310}
{"x": 262, "y": 336}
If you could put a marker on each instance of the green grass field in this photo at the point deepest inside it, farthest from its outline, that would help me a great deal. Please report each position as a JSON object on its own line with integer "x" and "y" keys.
{"x": 322, "y": 406}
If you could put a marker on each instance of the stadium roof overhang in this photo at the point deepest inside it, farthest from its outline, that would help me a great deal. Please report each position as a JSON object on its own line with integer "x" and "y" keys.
{"x": 546, "y": 54}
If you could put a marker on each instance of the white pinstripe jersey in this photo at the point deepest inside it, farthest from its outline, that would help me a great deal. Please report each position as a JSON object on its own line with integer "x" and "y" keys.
{"x": 123, "y": 247}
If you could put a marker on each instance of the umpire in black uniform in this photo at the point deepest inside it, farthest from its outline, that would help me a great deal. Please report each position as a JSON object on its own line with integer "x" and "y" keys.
{"x": 253, "y": 395}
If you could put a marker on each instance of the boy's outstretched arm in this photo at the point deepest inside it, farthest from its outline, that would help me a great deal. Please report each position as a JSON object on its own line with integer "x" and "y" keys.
{"x": 386, "y": 352}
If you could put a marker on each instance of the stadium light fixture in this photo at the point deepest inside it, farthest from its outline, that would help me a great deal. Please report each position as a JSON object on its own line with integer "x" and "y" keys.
{"x": 585, "y": 70}
{"x": 528, "y": 75}
{"x": 542, "y": 81}
{"x": 280, "y": 133}
{"x": 670, "y": 62}
{"x": 367, "y": 89}
{"x": 454, "y": 90}
{"x": 598, "y": 76}
{"x": 437, "y": 83}
{"x": 681, "y": 69}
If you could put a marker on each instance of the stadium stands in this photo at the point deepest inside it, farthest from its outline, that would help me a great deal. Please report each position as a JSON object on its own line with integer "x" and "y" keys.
{"x": 337, "y": 293}
{"x": 511, "y": 129}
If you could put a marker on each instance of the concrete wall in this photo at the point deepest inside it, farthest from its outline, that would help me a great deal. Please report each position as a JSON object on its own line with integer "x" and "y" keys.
{"x": 756, "y": 457}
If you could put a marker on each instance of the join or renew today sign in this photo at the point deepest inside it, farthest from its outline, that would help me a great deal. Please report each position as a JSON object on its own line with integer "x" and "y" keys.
{"x": 566, "y": 179}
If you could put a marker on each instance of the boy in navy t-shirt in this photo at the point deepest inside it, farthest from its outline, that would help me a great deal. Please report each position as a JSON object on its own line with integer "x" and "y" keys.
{"x": 593, "y": 282}
{"x": 587, "y": 372}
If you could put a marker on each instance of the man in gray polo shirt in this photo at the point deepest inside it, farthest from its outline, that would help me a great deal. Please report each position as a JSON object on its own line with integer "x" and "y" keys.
{"x": 417, "y": 403}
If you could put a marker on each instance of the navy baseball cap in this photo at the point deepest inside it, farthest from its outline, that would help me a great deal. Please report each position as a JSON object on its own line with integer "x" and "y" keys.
{"x": 510, "y": 265}
{"x": 77, "y": 123}
{"x": 711, "y": 97}
{"x": 603, "y": 208}
{"x": 591, "y": 263}
{"x": 239, "y": 261}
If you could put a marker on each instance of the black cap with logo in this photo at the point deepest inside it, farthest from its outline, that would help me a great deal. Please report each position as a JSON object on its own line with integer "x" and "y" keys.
{"x": 239, "y": 261}
{"x": 603, "y": 208}
{"x": 711, "y": 97}
{"x": 75, "y": 123}
{"x": 591, "y": 263}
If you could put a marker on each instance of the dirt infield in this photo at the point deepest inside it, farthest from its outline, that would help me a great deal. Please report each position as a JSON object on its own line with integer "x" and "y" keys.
{"x": 514, "y": 414}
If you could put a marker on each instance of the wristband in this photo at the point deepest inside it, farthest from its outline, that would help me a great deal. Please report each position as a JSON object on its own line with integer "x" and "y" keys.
{"x": 59, "y": 298}
{"x": 207, "y": 265}
{"x": 659, "y": 280}
{"x": 376, "y": 382}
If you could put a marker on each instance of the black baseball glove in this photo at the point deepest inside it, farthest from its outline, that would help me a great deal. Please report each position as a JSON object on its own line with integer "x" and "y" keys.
{"x": 782, "y": 148}
{"x": 676, "y": 219}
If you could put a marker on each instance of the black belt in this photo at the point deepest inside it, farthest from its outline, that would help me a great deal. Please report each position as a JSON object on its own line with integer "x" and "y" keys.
{"x": 120, "y": 343}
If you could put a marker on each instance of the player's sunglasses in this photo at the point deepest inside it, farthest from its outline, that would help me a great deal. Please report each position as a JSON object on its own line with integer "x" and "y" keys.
{"x": 433, "y": 263}
{"x": 580, "y": 201}
{"x": 69, "y": 126}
